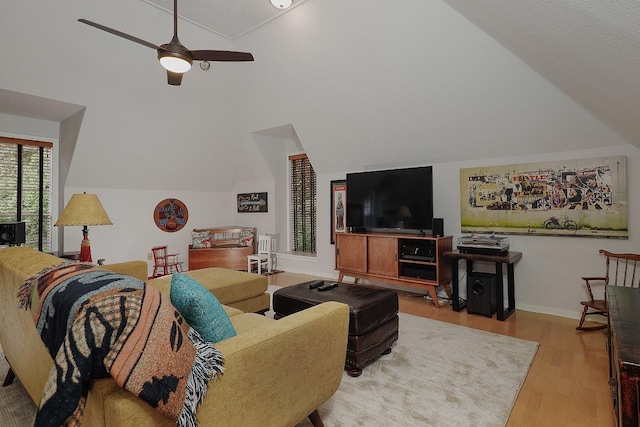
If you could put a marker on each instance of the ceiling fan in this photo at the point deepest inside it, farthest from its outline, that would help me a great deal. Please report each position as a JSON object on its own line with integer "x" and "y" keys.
{"x": 173, "y": 56}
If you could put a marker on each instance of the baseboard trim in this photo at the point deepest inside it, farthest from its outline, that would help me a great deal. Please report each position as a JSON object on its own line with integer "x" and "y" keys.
{"x": 560, "y": 313}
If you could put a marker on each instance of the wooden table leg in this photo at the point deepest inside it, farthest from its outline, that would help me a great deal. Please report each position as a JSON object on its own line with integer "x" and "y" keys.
{"x": 315, "y": 419}
{"x": 499, "y": 292}
{"x": 455, "y": 284}
{"x": 9, "y": 378}
{"x": 434, "y": 295}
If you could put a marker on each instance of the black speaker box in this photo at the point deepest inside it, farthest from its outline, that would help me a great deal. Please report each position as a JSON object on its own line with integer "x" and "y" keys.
{"x": 481, "y": 293}
{"x": 12, "y": 233}
{"x": 438, "y": 227}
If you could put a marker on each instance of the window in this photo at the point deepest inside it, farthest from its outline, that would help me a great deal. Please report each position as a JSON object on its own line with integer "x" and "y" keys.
{"x": 25, "y": 188}
{"x": 302, "y": 204}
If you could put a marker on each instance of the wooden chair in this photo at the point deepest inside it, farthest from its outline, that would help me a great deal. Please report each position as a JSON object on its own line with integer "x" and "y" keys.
{"x": 164, "y": 263}
{"x": 620, "y": 270}
{"x": 266, "y": 255}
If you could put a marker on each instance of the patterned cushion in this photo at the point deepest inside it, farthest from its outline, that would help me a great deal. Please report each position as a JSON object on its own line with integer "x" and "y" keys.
{"x": 201, "y": 239}
{"x": 246, "y": 238}
{"x": 200, "y": 308}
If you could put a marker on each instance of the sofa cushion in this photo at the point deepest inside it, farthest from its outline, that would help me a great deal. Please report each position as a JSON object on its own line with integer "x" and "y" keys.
{"x": 200, "y": 308}
{"x": 231, "y": 311}
{"x": 247, "y": 322}
{"x": 229, "y": 286}
{"x": 246, "y": 238}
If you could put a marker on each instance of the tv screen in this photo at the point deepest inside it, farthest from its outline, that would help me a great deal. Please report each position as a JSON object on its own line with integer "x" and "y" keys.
{"x": 395, "y": 200}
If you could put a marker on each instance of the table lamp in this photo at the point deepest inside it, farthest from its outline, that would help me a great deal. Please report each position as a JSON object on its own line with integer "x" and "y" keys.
{"x": 84, "y": 209}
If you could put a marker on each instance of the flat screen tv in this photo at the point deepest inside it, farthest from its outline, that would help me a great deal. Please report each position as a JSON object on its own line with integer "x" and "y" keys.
{"x": 394, "y": 200}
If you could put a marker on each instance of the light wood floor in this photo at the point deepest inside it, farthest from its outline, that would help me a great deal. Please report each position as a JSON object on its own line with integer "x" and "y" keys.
{"x": 567, "y": 383}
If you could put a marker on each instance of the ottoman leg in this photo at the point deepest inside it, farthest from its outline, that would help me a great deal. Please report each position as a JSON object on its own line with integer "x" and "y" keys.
{"x": 355, "y": 372}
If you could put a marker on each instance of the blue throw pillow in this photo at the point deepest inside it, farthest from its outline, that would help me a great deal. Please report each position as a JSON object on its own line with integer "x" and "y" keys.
{"x": 200, "y": 308}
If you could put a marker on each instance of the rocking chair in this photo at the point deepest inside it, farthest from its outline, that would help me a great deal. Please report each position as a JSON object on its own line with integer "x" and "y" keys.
{"x": 620, "y": 270}
{"x": 164, "y": 263}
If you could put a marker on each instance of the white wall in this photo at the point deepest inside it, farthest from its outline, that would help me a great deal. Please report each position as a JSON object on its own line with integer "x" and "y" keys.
{"x": 414, "y": 83}
{"x": 134, "y": 232}
{"x": 407, "y": 82}
{"x": 137, "y": 131}
{"x": 24, "y": 127}
{"x": 547, "y": 279}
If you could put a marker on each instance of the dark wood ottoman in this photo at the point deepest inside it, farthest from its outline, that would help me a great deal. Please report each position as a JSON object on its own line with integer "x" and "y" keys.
{"x": 373, "y": 319}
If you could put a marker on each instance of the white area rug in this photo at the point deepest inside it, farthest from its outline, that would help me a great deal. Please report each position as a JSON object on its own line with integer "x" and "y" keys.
{"x": 438, "y": 374}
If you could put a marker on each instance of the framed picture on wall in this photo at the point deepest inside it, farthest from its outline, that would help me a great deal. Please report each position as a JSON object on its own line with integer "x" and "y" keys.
{"x": 253, "y": 202}
{"x": 569, "y": 198}
{"x": 338, "y": 208}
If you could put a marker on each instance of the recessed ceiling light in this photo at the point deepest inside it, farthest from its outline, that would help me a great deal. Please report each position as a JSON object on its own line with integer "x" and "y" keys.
{"x": 281, "y": 4}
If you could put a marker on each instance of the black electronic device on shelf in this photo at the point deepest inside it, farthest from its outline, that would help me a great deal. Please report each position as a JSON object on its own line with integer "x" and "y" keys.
{"x": 419, "y": 251}
{"x": 486, "y": 245}
{"x": 417, "y": 271}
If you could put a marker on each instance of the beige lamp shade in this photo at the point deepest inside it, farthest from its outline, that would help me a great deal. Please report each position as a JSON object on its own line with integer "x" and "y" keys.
{"x": 83, "y": 209}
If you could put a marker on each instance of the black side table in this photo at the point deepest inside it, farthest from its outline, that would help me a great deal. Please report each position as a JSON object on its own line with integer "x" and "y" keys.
{"x": 510, "y": 258}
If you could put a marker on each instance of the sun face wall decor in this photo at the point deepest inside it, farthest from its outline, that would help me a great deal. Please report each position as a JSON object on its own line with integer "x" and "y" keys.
{"x": 170, "y": 215}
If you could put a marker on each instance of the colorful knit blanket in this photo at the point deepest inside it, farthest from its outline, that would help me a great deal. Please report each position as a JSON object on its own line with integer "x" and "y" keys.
{"x": 96, "y": 323}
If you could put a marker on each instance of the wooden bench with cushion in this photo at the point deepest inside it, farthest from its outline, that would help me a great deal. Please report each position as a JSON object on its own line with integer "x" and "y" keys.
{"x": 225, "y": 247}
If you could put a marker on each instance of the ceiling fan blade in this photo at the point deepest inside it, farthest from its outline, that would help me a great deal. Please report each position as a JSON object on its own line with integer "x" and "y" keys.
{"x": 220, "y": 55}
{"x": 174, "y": 79}
{"x": 119, "y": 33}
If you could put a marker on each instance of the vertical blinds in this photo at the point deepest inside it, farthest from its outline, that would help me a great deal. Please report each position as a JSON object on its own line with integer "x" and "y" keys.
{"x": 25, "y": 188}
{"x": 303, "y": 204}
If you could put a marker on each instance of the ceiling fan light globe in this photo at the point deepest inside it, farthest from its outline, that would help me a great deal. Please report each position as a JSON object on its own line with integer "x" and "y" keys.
{"x": 175, "y": 64}
{"x": 281, "y": 4}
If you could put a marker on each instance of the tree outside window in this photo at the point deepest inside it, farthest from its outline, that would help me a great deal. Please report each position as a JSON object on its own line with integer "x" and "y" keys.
{"x": 25, "y": 188}
{"x": 302, "y": 204}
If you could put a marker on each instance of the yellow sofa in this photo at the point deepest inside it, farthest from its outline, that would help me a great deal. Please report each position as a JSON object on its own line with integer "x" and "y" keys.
{"x": 277, "y": 372}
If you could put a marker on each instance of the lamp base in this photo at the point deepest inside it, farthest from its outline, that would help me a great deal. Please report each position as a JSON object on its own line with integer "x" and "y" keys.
{"x": 85, "y": 246}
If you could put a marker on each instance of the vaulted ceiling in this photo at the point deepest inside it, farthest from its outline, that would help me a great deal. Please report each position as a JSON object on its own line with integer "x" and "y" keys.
{"x": 590, "y": 49}
{"x": 230, "y": 19}
{"x": 353, "y": 65}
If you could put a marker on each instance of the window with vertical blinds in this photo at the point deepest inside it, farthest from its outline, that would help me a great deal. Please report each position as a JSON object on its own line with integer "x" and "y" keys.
{"x": 302, "y": 204}
{"x": 25, "y": 188}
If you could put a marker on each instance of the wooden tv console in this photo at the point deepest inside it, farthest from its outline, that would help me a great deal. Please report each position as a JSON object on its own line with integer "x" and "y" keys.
{"x": 400, "y": 259}
{"x": 225, "y": 251}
